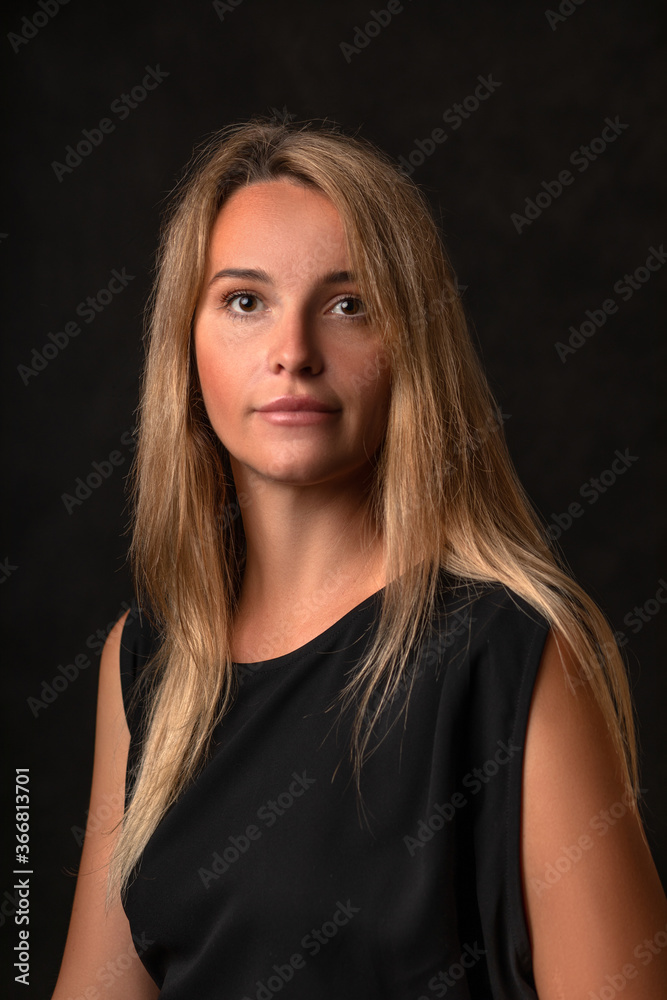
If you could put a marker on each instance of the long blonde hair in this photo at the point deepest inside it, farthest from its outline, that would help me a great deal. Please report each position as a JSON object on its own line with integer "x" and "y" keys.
{"x": 445, "y": 492}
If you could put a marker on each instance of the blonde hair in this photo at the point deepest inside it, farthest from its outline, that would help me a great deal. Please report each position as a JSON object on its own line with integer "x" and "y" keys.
{"x": 445, "y": 493}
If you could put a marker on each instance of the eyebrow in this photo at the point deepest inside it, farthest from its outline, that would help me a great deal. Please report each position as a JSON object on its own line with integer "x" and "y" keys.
{"x": 254, "y": 274}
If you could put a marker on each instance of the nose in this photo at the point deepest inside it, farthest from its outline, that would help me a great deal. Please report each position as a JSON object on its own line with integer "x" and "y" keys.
{"x": 293, "y": 342}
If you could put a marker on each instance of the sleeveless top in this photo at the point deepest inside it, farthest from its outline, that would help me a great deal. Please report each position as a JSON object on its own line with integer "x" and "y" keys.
{"x": 267, "y": 877}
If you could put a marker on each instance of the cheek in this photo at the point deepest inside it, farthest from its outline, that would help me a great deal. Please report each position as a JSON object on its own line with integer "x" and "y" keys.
{"x": 372, "y": 379}
{"x": 223, "y": 401}
{"x": 216, "y": 376}
{"x": 207, "y": 366}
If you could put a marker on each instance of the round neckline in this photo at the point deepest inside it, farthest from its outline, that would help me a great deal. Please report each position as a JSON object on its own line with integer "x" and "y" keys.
{"x": 307, "y": 647}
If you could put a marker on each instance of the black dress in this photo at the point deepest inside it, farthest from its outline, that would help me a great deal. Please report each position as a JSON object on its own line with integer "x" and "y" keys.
{"x": 266, "y": 879}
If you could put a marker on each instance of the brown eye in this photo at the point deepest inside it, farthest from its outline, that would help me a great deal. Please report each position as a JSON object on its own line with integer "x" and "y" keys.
{"x": 246, "y": 301}
{"x": 351, "y": 306}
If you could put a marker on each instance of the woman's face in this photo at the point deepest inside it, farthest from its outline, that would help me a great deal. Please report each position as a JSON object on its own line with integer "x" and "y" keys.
{"x": 279, "y": 317}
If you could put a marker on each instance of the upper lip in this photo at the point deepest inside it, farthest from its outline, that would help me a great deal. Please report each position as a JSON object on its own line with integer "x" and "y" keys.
{"x": 297, "y": 403}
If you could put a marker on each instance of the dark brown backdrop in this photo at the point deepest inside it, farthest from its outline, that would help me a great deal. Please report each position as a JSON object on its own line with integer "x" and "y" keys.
{"x": 533, "y": 88}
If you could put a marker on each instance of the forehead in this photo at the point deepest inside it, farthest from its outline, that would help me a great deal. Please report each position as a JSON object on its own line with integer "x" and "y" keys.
{"x": 277, "y": 220}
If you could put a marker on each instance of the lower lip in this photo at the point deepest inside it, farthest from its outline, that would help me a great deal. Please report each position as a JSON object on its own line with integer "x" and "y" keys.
{"x": 297, "y": 417}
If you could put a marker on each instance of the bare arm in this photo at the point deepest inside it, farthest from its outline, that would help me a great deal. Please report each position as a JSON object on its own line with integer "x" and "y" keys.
{"x": 596, "y": 911}
{"x": 100, "y": 961}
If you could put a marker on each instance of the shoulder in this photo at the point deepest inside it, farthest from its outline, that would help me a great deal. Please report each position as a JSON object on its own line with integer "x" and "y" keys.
{"x": 134, "y": 640}
{"x": 138, "y": 636}
{"x": 487, "y": 647}
{"x": 490, "y": 628}
{"x": 581, "y": 834}
{"x": 110, "y": 683}
{"x": 491, "y": 601}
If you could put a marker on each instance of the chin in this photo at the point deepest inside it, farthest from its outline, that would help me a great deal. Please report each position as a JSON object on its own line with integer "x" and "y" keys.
{"x": 298, "y": 476}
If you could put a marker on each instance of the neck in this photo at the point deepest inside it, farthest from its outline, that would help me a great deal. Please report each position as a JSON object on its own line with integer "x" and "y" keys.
{"x": 307, "y": 546}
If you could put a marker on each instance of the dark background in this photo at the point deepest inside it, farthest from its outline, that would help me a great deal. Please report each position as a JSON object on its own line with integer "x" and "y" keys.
{"x": 64, "y": 574}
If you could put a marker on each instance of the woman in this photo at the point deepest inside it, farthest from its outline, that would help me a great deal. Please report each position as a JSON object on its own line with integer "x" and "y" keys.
{"x": 377, "y": 742}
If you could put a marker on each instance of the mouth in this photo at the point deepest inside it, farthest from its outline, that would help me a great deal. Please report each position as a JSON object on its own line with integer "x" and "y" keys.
{"x": 296, "y": 418}
{"x": 297, "y": 404}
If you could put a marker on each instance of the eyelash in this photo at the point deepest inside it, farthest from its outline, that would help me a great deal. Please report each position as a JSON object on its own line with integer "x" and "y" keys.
{"x": 226, "y": 299}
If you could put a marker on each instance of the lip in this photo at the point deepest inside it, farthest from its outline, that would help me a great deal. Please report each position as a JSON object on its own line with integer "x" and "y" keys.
{"x": 298, "y": 404}
{"x": 297, "y": 418}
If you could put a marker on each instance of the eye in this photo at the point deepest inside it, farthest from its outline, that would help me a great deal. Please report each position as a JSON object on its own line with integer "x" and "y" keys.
{"x": 351, "y": 306}
{"x": 247, "y": 303}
